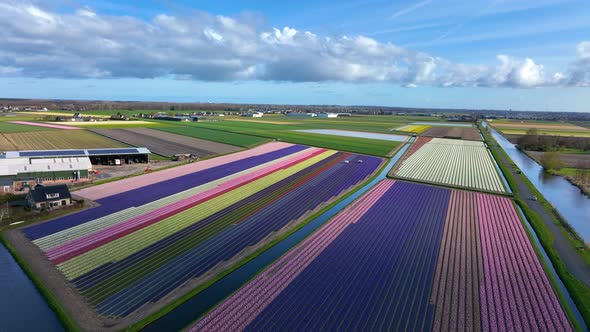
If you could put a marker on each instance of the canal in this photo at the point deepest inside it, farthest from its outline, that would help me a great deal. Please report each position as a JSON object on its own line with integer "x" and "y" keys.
{"x": 23, "y": 308}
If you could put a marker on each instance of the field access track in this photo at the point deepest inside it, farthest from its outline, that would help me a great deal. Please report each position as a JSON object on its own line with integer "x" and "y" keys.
{"x": 167, "y": 144}
{"x": 455, "y": 163}
{"x": 182, "y": 228}
{"x": 404, "y": 256}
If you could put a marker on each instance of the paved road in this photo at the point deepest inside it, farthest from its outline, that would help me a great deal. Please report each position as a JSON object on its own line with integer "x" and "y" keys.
{"x": 572, "y": 260}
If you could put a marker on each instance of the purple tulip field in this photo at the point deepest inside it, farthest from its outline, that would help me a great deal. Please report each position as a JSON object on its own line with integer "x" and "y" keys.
{"x": 152, "y": 235}
{"x": 404, "y": 256}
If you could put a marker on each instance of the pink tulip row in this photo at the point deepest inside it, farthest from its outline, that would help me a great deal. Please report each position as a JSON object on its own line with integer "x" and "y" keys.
{"x": 455, "y": 291}
{"x": 80, "y": 245}
{"x": 515, "y": 293}
{"x": 117, "y": 187}
{"x": 245, "y": 305}
{"x": 45, "y": 125}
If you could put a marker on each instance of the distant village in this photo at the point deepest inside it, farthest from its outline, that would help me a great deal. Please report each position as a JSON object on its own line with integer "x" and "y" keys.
{"x": 183, "y": 111}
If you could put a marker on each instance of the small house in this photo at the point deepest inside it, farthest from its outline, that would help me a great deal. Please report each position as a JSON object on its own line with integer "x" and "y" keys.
{"x": 49, "y": 197}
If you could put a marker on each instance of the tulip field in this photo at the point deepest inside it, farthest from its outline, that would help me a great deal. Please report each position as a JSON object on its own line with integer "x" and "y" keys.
{"x": 451, "y": 162}
{"x": 157, "y": 233}
{"x": 413, "y": 128}
{"x": 404, "y": 256}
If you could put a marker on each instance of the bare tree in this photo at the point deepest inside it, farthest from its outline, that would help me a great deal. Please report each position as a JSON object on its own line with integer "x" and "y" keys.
{"x": 551, "y": 160}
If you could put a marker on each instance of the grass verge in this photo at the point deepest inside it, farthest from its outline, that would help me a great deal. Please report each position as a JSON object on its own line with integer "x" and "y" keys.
{"x": 568, "y": 310}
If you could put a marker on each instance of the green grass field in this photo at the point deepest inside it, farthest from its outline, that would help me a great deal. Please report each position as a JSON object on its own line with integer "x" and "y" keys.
{"x": 261, "y": 130}
{"x": 227, "y": 137}
{"x": 570, "y": 171}
{"x": 247, "y": 132}
{"x": 352, "y": 144}
{"x": 371, "y": 123}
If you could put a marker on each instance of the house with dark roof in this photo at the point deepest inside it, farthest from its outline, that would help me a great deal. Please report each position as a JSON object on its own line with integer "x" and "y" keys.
{"x": 49, "y": 197}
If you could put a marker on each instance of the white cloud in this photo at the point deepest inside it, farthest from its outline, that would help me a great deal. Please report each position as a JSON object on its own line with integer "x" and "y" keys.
{"x": 9, "y": 71}
{"x": 513, "y": 72}
{"x": 584, "y": 50}
{"x": 579, "y": 72}
{"x": 40, "y": 43}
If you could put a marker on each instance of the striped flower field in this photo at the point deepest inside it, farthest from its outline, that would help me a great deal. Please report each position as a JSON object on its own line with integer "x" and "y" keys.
{"x": 404, "y": 256}
{"x": 413, "y": 128}
{"x": 154, "y": 233}
{"x": 455, "y": 163}
{"x": 44, "y": 125}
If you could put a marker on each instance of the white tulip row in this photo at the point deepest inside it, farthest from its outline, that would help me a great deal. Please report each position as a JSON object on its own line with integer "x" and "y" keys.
{"x": 455, "y": 163}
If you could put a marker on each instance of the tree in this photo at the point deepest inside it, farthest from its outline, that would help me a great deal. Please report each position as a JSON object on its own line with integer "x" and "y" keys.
{"x": 530, "y": 140}
{"x": 551, "y": 160}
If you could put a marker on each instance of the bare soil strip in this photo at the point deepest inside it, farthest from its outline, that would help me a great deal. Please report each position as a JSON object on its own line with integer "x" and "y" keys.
{"x": 167, "y": 144}
{"x": 453, "y": 132}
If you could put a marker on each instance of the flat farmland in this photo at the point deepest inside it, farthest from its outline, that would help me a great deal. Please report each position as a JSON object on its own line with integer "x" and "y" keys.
{"x": 55, "y": 139}
{"x": 357, "y": 134}
{"x": 167, "y": 144}
{"x": 109, "y": 124}
{"x": 156, "y": 237}
{"x": 226, "y": 137}
{"x": 14, "y": 127}
{"x": 404, "y": 256}
{"x": 471, "y": 134}
{"x": 413, "y": 128}
{"x": 455, "y": 163}
{"x": 544, "y": 128}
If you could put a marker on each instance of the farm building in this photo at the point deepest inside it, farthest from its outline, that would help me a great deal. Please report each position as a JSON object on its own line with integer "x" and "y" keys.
{"x": 21, "y": 170}
{"x": 253, "y": 115}
{"x": 179, "y": 118}
{"x": 49, "y": 196}
{"x": 111, "y": 156}
{"x": 18, "y": 174}
{"x": 327, "y": 115}
{"x": 198, "y": 118}
{"x": 302, "y": 115}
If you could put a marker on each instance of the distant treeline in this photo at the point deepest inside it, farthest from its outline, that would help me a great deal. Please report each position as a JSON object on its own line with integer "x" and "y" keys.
{"x": 90, "y": 105}
{"x": 532, "y": 141}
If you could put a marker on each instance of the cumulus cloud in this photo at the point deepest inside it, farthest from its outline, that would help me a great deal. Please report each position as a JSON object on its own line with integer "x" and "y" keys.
{"x": 36, "y": 42}
{"x": 579, "y": 73}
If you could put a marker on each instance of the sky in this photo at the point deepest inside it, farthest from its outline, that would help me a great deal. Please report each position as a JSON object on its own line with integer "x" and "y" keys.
{"x": 490, "y": 54}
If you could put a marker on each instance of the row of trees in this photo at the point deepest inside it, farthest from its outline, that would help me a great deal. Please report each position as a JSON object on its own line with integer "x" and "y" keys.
{"x": 533, "y": 141}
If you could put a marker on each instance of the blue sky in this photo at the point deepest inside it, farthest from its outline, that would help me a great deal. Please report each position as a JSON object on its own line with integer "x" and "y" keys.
{"x": 519, "y": 54}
